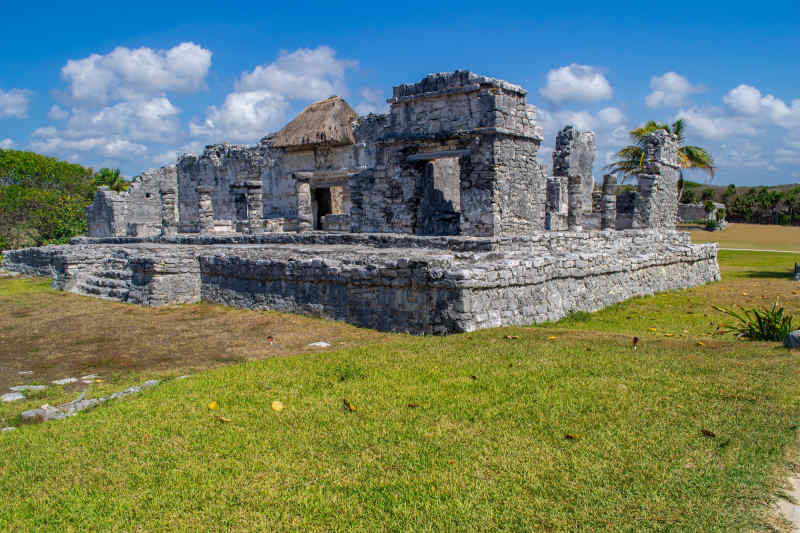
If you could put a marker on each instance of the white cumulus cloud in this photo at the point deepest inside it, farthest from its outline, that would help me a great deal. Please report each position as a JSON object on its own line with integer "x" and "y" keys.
{"x": 56, "y": 113}
{"x": 576, "y": 83}
{"x": 260, "y": 103}
{"x": 245, "y": 116}
{"x": 711, "y": 123}
{"x": 125, "y": 74}
{"x": 305, "y": 74}
{"x": 155, "y": 119}
{"x": 748, "y": 100}
{"x": 671, "y": 90}
{"x": 14, "y": 103}
{"x": 6, "y": 143}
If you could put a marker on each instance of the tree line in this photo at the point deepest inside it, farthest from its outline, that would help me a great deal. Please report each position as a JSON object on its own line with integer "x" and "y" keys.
{"x": 43, "y": 200}
{"x": 762, "y": 205}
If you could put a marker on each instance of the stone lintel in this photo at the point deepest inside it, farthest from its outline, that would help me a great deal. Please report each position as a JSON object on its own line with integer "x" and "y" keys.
{"x": 457, "y": 134}
{"x": 204, "y": 189}
{"x": 438, "y": 155}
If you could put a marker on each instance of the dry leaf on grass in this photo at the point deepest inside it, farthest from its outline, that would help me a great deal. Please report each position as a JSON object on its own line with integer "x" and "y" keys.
{"x": 552, "y": 338}
{"x": 571, "y": 436}
{"x": 223, "y": 419}
{"x": 277, "y": 406}
{"x": 349, "y": 406}
{"x": 708, "y": 433}
{"x": 213, "y": 405}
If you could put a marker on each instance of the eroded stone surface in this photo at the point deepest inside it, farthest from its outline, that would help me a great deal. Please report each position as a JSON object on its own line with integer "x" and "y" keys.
{"x": 793, "y": 340}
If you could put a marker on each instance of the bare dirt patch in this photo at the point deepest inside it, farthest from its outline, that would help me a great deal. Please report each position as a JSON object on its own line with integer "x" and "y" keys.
{"x": 57, "y": 334}
{"x": 752, "y": 236}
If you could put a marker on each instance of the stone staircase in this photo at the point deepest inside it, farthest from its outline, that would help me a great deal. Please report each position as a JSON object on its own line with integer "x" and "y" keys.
{"x": 111, "y": 280}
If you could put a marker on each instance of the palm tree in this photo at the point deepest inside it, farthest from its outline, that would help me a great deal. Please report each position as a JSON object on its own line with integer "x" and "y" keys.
{"x": 111, "y": 179}
{"x": 631, "y": 158}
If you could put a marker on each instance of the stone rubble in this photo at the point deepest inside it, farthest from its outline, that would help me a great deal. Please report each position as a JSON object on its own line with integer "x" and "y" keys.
{"x": 12, "y": 397}
{"x": 47, "y": 412}
{"x": 64, "y": 381}
{"x": 320, "y": 344}
{"x": 22, "y": 388}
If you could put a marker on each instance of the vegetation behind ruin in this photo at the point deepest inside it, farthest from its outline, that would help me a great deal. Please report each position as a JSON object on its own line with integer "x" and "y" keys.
{"x": 43, "y": 199}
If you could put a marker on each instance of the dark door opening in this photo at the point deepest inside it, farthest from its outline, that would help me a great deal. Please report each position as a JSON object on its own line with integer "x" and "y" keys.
{"x": 321, "y": 205}
{"x": 241, "y": 207}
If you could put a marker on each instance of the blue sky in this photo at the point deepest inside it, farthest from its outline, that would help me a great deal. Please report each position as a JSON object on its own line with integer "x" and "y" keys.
{"x": 133, "y": 85}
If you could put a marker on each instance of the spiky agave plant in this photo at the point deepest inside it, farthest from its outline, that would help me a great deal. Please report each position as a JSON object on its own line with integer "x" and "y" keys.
{"x": 759, "y": 324}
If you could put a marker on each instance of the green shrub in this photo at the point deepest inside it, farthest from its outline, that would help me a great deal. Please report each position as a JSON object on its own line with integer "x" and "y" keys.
{"x": 759, "y": 324}
{"x": 712, "y": 225}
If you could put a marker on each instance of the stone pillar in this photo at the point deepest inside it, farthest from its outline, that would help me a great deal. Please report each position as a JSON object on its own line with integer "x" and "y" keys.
{"x": 657, "y": 190}
{"x": 574, "y": 156}
{"x": 575, "y": 213}
{"x": 169, "y": 214}
{"x": 205, "y": 209}
{"x": 255, "y": 204}
{"x": 608, "y": 203}
{"x": 305, "y": 217}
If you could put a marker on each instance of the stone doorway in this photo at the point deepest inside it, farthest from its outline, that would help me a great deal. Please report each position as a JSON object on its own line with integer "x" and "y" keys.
{"x": 241, "y": 206}
{"x": 321, "y": 205}
{"x": 440, "y": 206}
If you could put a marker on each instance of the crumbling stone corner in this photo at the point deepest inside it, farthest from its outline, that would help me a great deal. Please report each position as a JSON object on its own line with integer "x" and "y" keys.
{"x": 169, "y": 212}
{"x": 657, "y": 190}
{"x": 205, "y": 209}
{"x": 305, "y": 216}
{"x": 575, "y": 213}
{"x": 608, "y": 203}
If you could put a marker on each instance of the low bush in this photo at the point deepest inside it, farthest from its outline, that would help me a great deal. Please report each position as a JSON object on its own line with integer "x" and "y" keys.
{"x": 759, "y": 324}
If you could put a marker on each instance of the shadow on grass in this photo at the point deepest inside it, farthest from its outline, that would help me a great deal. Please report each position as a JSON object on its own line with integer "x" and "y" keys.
{"x": 768, "y": 274}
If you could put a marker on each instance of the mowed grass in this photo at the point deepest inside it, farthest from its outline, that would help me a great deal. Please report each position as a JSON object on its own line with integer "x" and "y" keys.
{"x": 752, "y": 236}
{"x": 560, "y": 427}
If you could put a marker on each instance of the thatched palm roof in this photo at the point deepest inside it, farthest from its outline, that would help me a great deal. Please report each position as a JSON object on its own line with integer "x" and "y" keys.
{"x": 328, "y": 121}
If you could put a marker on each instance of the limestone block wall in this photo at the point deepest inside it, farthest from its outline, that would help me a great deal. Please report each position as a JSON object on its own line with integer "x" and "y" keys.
{"x": 143, "y": 201}
{"x": 439, "y": 293}
{"x": 574, "y": 155}
{"x": 689, "y": 212}
{"x": 105, "y": 216}
{"x": 520, "y": 186}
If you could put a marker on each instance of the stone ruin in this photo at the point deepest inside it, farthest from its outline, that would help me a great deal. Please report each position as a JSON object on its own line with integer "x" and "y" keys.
{"x": 436, "y": 217}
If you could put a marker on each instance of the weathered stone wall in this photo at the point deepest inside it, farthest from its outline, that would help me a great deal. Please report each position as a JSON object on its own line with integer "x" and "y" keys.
{"x": 690, "y": 212}
{"x": 105, "y": 216}
{"x": 574, "y": 155}
{"x": 428, "y": 293}
{"x": 657, "y": 188}
{"x": 520, "y": 186}
{"x": 390, "y": 286}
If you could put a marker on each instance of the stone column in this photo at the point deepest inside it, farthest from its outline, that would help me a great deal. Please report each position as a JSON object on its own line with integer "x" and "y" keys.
{"x": 608, "y": 203}
{"x": 205, "y": 209}
{"x": 575, "y": 212}
{"x": 255, "y": 222}
{"x": 169, "y": 215}
{"x": 305, "y": 217}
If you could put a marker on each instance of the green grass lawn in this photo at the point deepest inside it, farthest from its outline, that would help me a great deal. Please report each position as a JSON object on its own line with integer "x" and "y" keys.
{"x": 562, "y": 428}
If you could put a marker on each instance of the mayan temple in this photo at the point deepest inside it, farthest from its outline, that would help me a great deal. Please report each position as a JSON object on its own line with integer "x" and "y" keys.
{"x": 436, "y": 217}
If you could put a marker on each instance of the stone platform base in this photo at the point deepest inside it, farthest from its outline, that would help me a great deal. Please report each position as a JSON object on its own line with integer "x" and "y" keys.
{"x": 419, "y": 285}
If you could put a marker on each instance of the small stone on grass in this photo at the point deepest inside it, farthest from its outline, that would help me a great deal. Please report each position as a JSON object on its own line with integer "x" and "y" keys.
{"x": 319, "y": 344}
{"x": 12, "y": 397}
